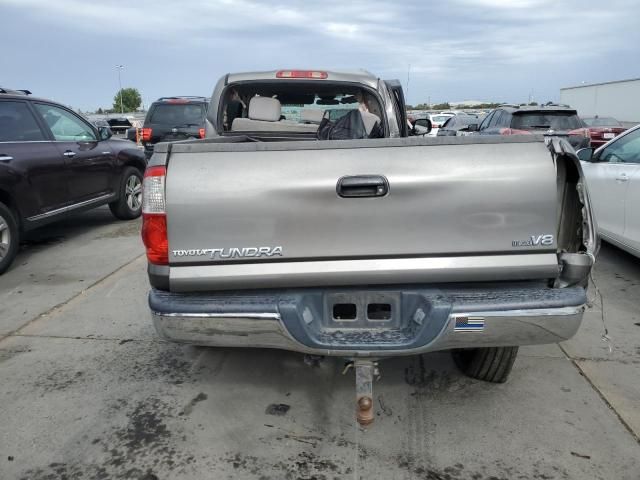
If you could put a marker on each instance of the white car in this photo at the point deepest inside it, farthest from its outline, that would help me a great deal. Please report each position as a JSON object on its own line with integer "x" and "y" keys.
{"x": 613, "y": 179}
{"x": 437, "y": 120}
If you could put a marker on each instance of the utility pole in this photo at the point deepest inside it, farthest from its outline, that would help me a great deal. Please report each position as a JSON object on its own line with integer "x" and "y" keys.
{"x": 120, "y": 67}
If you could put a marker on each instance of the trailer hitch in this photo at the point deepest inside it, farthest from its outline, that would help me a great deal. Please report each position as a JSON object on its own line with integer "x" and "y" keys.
{"x": 366, "y": 372}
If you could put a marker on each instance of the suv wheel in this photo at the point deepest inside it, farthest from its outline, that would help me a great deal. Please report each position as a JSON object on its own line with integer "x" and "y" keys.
{"x": 9, "y": 238}
{"x": 129, "y": 203}
{"x": 492, "y": 364}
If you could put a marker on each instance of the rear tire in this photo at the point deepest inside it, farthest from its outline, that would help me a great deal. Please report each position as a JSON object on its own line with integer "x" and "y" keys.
{"x": 129, "y": 203}
{"x": 491, "y": 364}
{"x": 9, "y": 238}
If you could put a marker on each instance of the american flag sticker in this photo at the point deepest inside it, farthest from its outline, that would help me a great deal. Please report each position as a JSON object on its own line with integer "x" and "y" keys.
{"x": 469, "y": 324}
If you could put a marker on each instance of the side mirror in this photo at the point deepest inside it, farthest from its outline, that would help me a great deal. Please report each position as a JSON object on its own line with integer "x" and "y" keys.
{"x": 422, "y": 126}
{"x": 131, "y": 134}
{"x": 105, "y": 133}
{"x": 472, "y": 127}
{"x": 585, "y": 154}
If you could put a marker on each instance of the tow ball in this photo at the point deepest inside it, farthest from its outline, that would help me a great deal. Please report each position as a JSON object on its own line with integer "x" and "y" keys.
{"x": 366, "y": 372}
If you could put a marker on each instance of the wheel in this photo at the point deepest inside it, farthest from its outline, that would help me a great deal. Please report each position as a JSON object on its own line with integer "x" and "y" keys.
{"x": 9, "y": 238}
{"x": 129, "y": 203}
{"x": 491, "y": 364}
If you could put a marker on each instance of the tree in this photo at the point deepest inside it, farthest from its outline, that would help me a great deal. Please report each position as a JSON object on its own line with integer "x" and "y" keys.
{"x": 99, "y": 111}
{"x": 441, "y": 106}
{"x": 131, "y": 100}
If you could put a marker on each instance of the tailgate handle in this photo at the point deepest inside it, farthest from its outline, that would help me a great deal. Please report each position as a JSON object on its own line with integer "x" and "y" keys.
{"x": 362, "y": 186}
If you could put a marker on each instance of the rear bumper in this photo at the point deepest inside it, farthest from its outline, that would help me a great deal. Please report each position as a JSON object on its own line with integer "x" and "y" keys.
{"x": 431, "y": 319}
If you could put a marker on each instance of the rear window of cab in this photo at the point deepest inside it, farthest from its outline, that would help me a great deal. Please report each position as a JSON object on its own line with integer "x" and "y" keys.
{"x": 554, "y": 120}
{"x": 178, "y": 114}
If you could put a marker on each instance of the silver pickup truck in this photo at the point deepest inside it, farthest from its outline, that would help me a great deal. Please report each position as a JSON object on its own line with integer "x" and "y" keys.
{"x": 262, "y": 235}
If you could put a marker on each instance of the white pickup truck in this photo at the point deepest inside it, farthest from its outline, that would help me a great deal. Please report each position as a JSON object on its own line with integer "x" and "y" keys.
{"x": 269, "y": 233}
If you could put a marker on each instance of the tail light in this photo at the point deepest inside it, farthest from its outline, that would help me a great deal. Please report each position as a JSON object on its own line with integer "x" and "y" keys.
{"x": 583, "y": 132}
{"x": 146, "y": 134}
{"x": 513, "y": 131}
{"x": 154, "y": 216}
{"x": 201, "y": 132}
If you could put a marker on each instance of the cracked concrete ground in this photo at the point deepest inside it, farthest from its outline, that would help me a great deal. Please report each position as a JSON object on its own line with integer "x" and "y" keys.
{"x": 89, "y": 391}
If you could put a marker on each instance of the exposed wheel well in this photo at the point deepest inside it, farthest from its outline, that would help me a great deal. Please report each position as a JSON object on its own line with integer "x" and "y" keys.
{"x": 139, "y": 164}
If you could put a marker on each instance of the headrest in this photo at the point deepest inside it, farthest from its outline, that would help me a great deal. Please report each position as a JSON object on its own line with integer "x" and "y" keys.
{"x": 311, "y": 115}
{"x": 264, "y": 108}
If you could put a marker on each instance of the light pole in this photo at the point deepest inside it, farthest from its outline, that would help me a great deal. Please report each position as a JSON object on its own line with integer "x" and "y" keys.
{"x": 120, "y": 67}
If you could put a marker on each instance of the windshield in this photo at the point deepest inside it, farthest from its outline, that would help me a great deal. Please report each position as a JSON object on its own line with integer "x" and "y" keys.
{"x": 602, "y": 122}
{"x": 337, "y": 106}
{"x": 440, "y": 118}
{"x": 178, "y": 114}
{"x": 462, "y": 121}
{"x": 552, "y": 120}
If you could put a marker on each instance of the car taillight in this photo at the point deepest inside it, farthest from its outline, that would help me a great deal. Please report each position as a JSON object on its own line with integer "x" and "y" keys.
{"x": 146, "y": 134}
{"x": 312, "y": 74}
{"x": 154, "y": 216}
{"x": 201, "y": 132}
{"x": 583, "y": 132}
{"x": 513, "y": 131}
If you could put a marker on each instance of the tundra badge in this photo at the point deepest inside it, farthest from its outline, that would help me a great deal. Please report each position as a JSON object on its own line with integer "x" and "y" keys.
{"x": 230, "y": 252}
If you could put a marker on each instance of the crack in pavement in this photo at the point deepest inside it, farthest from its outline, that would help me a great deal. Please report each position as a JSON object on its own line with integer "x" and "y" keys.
{"x": 101, "y": 339}
{"x": 584, "y": 375}
{"x": 58, "y": 306}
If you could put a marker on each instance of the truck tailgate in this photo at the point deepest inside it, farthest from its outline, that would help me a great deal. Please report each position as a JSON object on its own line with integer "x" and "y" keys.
{"x": 475, "y": 200}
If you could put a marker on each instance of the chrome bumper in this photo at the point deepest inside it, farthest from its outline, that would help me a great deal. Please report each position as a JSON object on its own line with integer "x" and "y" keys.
{"x": 266, "y": 330}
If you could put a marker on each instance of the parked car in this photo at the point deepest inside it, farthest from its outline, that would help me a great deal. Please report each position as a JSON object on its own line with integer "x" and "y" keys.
{"x": 53, "y": 163}
{"x": 613, "y": 177}
{"x": 261, "y": 235}
{"x": 457, "y": 125}
{"x": 549, "y": 120}
{"x": 602, "y": 129}
{"x": 119, "y": 125}
{"x": 437, "y": 120}
{"x": 170, "y": 119}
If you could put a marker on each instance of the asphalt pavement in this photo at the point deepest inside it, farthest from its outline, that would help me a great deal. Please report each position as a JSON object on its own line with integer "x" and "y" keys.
{"x": 88, "y": 390}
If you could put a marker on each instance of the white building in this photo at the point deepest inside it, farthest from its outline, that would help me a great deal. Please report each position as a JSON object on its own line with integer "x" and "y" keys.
{"x": 619, "y": 99}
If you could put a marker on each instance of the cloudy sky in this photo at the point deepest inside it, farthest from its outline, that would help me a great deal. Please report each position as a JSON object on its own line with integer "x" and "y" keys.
{"x": 499, "y": 50}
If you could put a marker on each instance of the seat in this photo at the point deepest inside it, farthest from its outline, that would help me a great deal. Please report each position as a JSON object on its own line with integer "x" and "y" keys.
{"x": 264, "y": 116}
{"x": 311, "y": 115}
{"x": 263, "y": 111}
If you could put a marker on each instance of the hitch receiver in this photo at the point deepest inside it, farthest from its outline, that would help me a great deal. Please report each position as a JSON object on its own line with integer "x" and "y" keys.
{"x": 365, "y": 371}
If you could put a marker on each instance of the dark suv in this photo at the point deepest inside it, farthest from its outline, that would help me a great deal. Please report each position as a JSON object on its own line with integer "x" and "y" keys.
{"x": 550, "y": 120}
{"x": 53, "y": 163}
{"x": 170, "y": 119}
